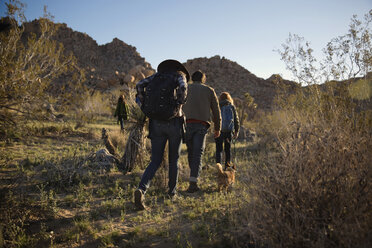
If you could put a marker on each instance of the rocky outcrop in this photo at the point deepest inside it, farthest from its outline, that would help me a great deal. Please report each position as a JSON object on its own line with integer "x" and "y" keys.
{"x": 226, "y": 75}
{"x": 105, "y": 66}
{"x": 116, "y": 63}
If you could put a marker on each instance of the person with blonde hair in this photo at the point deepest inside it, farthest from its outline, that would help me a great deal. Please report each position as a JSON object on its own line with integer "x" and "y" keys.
{"x": 229, "y": 128}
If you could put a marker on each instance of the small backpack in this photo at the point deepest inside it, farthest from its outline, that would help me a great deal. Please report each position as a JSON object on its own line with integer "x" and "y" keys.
{"x": 160, "y": 98}
{"x": 227, "y": 115}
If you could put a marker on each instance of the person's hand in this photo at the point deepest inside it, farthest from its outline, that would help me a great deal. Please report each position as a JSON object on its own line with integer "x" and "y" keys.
{"x": 217, "y": 134}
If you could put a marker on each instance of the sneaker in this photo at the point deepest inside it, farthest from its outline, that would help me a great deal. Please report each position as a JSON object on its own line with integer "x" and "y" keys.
{"x": 139, "y": 199}
{"x": 193, "y": 187}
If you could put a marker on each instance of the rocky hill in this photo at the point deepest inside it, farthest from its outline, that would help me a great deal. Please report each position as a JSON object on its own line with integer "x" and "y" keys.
{"x": 106, "y": 66}
{"x": 225, "y": 75}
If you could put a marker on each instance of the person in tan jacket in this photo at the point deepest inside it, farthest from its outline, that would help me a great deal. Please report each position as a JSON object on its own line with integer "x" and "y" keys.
{"x": 201, "y": 102}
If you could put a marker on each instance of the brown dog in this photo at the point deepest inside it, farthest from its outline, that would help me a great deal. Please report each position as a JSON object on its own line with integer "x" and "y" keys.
{"x": 225, "y": 178}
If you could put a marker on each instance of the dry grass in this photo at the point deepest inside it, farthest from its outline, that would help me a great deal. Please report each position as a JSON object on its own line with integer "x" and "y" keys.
{"x": 64, "y": 199}
{"x": 304, "y": 184}
{"x": 311, "y": 186}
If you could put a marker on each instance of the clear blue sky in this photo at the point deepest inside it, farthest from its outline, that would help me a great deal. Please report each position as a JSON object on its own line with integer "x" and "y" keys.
{"x": 244, "y": 31}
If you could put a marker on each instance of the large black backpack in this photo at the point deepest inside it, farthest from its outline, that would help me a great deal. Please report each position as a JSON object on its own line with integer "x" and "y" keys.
{"x": 160, "y": 98}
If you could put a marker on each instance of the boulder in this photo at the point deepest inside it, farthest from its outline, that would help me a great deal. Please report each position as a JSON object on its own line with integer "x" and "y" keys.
{"x": 129, "y": 79}
{"x": 140, "y": 76}
{"x": 148, "y": 72}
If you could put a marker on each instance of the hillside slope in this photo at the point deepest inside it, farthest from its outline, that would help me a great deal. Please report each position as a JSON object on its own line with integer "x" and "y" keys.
{"x": 226, "y": 75}
{"x": 104, "y": 64}
{"x": 108, "y": 65}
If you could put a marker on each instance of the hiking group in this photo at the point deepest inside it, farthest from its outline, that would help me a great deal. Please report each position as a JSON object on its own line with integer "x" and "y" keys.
{"x": 180, "y": 110}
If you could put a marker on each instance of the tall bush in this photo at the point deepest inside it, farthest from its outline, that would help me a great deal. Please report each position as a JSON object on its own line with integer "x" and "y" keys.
{"x": 313, "y": 188}
{"x": 29, "y": 64}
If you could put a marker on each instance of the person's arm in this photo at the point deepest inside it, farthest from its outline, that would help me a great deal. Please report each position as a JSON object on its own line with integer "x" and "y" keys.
{"x": 216, "y": 112}
{"x": 125, "y": 111}
{"x": 236, "y": 123}
{"x": 182, "y": 89}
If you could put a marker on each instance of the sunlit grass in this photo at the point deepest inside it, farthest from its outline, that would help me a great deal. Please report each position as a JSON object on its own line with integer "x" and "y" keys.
{"x": 97, "y": 204}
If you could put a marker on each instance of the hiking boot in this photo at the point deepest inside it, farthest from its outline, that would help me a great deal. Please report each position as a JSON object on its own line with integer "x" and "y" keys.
{"x": 139, "y": 199}
{"x": 193, "y": 187}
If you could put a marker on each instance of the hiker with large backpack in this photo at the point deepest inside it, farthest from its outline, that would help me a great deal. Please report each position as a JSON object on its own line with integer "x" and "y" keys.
{"x": 229, "y": 128}
{"x": 201, "y": 101}
{"x": 161, "y": 97}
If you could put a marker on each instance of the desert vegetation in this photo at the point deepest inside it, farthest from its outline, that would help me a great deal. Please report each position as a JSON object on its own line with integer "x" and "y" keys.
{"x": 28, "y": 67}
{"x": 304, "y": 181}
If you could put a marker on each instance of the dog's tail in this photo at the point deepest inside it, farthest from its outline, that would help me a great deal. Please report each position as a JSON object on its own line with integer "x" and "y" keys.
{"x": 219, "y": 168}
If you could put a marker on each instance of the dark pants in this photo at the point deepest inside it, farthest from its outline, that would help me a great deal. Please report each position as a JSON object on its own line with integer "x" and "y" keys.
{"x": 121, "y": 120}
{"x": 195, "y": 142}
{"x": 224, "y": 141}
{"x": 160, "y": 133}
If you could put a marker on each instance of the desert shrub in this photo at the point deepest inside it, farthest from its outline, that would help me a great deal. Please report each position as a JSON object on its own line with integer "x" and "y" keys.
{"x": 74, "y": 167}
{"x": 94, "y": 106}
{"x": 136, "y": 139}
{"x": 45, "y": 128}
{"x": 30, "y": 65}
{"x": 312, "y": 187}
{"x": 246, "y": 108}
{"x": 118, "y": 139}
{"x": 315, "y": 190}
{"x": 13, "y": 222}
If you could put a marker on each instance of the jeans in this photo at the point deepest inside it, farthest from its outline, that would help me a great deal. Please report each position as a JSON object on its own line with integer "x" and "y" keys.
{"x": 160, "y": 133}
{"x": 223, "y": 140}
{"x": 195, "y": 142}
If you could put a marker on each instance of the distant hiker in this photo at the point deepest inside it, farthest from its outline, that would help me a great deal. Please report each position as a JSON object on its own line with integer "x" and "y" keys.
{"x": 201, "y": 101}
{"x": 161, "y": 97}
{"x": 229, "y": 128}
{"x": 121, "y": 111}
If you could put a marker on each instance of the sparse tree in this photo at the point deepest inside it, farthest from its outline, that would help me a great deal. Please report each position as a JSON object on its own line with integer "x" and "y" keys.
{"x": 29, "y": 64}
{"x": 250, "y": 105}
{"x": 350, "y": 55}
{"x": 345, "y": 57}
{"x": 246, "y": 108}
